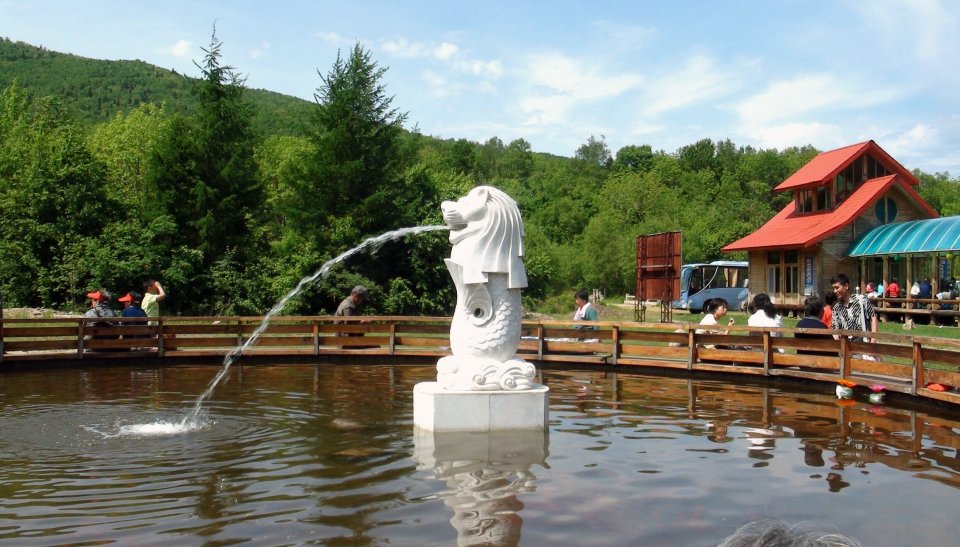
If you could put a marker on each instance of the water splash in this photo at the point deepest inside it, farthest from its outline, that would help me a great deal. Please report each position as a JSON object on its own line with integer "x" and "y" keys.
{"x": 159, "y": 428}
{"x": 373, "y": 242}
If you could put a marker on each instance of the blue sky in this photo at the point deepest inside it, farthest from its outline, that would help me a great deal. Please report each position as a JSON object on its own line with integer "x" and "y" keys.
{"x": 765, "y": 74}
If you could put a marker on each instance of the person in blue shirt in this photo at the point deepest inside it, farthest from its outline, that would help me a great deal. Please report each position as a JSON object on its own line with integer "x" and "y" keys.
{"x": 131, "y": 308}
{"x": 926, "y": 290}
{"x": 131, "y": 305}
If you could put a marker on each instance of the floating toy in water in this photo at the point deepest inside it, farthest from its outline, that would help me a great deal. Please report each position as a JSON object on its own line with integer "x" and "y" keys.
{"x": 844, "y": 392}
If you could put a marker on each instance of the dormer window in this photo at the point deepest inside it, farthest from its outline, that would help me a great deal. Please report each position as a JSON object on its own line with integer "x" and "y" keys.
{"x": 852, "y": 176}
{"x": 811, "y": 200}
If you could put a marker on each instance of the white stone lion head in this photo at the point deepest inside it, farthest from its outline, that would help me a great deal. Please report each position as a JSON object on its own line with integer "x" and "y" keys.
{"x": 487, "y": 235}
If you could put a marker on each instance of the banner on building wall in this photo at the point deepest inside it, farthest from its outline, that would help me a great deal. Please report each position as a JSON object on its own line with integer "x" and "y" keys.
{"x": 808, "y": 275}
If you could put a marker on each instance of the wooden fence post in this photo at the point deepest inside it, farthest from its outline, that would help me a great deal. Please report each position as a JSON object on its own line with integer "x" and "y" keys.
{"x": 540, "y": 342}
{"x": 767, "y": 349}
{"x": 316, "y": 337}
{"x": 616, "y": 344}
{"x": 918, "y": 380}
{"x": 691, "y": 348}
{"x": 160, "y": 349}
{"x": 81, "y": 326}
{"x": 844, "y": 357}
{"x": 393, "y": 338}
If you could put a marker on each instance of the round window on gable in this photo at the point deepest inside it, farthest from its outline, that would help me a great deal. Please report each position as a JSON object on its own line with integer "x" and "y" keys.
{"x": 886, "y": 210}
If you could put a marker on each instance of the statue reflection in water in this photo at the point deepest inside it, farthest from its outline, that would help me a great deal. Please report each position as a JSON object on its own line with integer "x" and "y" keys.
{"x": 485, "y": 472}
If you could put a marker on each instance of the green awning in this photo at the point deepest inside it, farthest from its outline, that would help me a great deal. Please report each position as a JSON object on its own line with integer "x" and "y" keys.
{"x": 916, "y": 236}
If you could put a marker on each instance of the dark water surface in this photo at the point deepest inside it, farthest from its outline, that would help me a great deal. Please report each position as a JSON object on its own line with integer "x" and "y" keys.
{"x": 294, "y": 455}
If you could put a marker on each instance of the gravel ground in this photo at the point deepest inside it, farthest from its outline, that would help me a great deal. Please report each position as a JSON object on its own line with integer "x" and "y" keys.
{"x": 35, "y": 313}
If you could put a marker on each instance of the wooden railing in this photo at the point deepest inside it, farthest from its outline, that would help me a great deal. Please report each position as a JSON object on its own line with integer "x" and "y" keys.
{"x": 905, "y": 364}
{"x": 896, "y": 309}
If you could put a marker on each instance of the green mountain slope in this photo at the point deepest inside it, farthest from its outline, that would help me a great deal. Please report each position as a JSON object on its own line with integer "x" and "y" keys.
{"x": 93, "y": 91}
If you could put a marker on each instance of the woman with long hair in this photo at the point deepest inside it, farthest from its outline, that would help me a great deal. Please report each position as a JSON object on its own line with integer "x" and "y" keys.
{"x": 764, "y": 313}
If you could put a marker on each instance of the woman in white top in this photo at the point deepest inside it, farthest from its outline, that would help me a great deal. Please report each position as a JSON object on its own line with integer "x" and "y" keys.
{"x": 766, "y": 314}
{"x": 716, "y": 309}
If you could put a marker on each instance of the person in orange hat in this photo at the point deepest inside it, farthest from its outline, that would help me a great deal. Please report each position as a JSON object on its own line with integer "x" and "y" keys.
{"x": 131, "y": 305}
{"x": 131, "y": 308}
{"x": 99, "y": 304}
{"x": 99, "y": 307}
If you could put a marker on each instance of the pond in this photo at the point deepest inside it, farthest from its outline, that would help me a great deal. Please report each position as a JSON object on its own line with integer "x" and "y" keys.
{"x": 328, "y": 454}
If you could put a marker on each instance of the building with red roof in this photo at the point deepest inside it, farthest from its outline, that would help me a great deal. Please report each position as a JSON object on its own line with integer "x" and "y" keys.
{"x": 839, "y": 197}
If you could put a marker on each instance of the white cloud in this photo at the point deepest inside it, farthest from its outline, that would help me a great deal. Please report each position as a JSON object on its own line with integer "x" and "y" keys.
{"x": 332, "y": 37}
{"x": 559, "y": 83}
{"x": 546, "y": 110}
{"x": 791, "y": 112}
{"x": 823, "y": 135}
{"x": 699, "y": 80}
{"x": 445, "y": 52}
{"x": 917, "y": 139}
{"x": 574, "y": 78}
{"x": 643, "y": 129}
{"x": 441, "y": 86}
{"x": 400, "y": 47}
{"x": 925, "y": 29}
{"x": 181, "y": 48}
{"x": 786, "y": 100}
{"x": 259, "y": 51}
{"x": 625, "y": 36}
{"x": 486, "y": 69}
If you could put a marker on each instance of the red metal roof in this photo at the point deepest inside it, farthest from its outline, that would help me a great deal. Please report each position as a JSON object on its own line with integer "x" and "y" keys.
{"x": 825, "y": 166}
{"x": 788, "y": 229}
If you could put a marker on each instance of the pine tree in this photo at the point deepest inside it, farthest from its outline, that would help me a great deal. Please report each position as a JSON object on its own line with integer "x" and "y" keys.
{"x": 356, "y": 136}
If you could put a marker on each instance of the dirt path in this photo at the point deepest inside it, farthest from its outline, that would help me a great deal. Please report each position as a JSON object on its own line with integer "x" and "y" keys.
{"x": 36, "y": 313}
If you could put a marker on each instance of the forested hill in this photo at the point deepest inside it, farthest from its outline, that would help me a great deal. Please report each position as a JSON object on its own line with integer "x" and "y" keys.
{"x": 93, "y": 91}
{"x": 112, "y": 172}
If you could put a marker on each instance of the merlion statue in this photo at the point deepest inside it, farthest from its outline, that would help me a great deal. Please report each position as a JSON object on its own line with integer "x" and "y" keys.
{"x": 486, "y": 265}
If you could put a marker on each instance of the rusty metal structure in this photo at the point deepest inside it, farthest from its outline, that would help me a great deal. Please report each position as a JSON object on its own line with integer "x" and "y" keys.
{"x": 658, "y": 273}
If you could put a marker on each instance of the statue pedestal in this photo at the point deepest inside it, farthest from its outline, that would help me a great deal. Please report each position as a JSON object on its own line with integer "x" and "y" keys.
{"x": 439, "y": 409}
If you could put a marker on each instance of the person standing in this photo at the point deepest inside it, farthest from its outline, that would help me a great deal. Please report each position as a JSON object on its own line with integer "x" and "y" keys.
{"x": 585, "y": 310}
{"x": 826, "y": 316}
{"x": 351, "y": 305}
{"x": 852, "y": 311}
{"x": 153, "y": 294}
